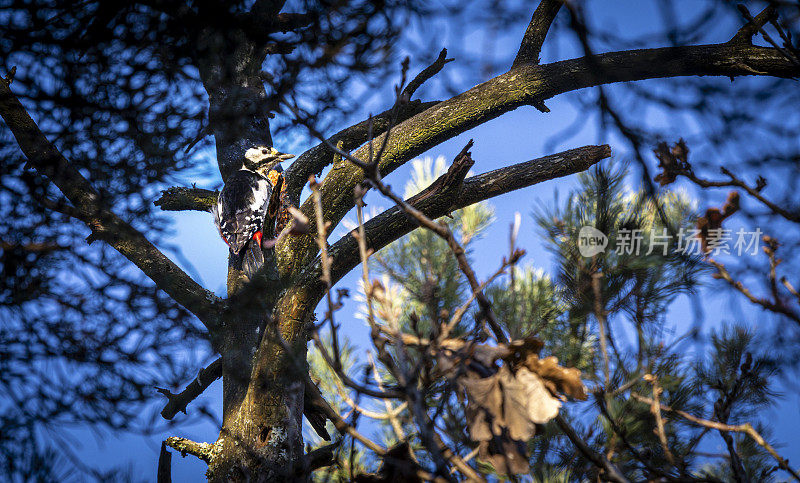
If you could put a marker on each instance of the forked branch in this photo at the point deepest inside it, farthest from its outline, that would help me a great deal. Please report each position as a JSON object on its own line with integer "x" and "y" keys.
{"x": 527, "y": 85}
{"x": 178, "y": 402}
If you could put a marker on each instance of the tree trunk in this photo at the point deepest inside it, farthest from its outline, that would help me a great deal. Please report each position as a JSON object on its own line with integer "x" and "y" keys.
{"x": 263, "y": 388}
{"x": 261, "y": 438}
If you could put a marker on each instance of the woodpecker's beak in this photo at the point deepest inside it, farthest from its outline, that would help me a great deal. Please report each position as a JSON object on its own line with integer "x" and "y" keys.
{"x": 279, "y": 155}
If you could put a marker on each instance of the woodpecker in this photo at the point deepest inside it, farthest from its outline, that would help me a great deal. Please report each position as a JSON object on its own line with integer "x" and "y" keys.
{"x": 241, "y": 209}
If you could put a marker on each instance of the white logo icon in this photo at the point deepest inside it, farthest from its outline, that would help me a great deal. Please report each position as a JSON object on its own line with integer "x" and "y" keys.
{"x": 591, "y": 241}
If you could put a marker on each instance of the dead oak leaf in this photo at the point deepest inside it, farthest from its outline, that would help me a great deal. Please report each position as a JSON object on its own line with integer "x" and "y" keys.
{"x": 514, "y": 402}
{"x": 558, "y": 379}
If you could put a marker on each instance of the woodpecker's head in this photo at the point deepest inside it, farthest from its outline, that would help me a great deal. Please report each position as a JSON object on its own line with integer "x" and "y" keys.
{"x": 262, "y": 159}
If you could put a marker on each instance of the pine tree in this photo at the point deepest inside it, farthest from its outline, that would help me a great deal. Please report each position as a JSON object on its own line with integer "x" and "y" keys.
{"x": 629, "y": 294}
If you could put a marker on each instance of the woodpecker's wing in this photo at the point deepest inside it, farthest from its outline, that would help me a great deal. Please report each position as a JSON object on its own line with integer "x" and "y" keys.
{"x": 242, "y": 207}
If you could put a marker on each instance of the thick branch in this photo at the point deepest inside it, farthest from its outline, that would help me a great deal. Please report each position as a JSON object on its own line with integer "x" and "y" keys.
{"x": 184, "y": 199}
{"x": 531, "y": 45}
{"x": 178, "y": 402}
{"x": 105, "y": 225}
{"x": 320, "y": 457}
{"x": 434, "y": 202}
{"x": 528, "y": 85}
{"x": 317, "y": 158}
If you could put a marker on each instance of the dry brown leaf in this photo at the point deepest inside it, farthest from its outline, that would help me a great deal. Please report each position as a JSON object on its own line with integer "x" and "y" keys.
{"x": 507, "y": 401}
{"x": 712, "y": 222}
{"x": 484, "y": 406}
{"x": 562, "y": 380}
{"x": 502, "y": 413}
{"x": 672, "y": 161}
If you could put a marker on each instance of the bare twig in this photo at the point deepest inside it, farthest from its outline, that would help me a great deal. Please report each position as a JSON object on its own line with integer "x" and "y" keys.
{"x": 755, "y": 192}
{"x": 600, "y": 315}
{"x": 790, "y": 288}
{"x": 655, "y": 409}
{"x": 747, "y": 31}
{"x": 164, "y": 465}
{"x": 391, "y": 411}
{"x": 322, "y": 241}
{"x": 347, "y": 380}
{"x": 773, "y": 306}
{"x": 745, "y": 428}
{"x": 460, "y": 311}
{"x": 423, "y": 76}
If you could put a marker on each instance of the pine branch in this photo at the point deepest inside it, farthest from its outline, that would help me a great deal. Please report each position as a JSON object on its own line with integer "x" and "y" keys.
{"x": 745, "y": 428}
{"x": 105, "y": 225}
{"x": 609, "y": 471}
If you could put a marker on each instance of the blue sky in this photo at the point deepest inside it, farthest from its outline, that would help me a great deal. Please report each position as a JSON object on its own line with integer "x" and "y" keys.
{"x": 512, "y": 138}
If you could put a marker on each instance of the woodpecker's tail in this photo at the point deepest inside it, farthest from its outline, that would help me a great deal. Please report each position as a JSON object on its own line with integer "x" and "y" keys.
{"x": 249, "y": 260}
{"x": 314, "y": 410}
{"x": 252, "y": 258}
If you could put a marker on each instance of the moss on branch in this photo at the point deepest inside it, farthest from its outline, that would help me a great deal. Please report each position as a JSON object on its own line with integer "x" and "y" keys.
{"x": 527, "y": 84}
{"x": 184, "y": 199}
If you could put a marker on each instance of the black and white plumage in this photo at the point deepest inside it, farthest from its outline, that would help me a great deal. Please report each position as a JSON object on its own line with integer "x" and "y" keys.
{"x": 241, "y": 210}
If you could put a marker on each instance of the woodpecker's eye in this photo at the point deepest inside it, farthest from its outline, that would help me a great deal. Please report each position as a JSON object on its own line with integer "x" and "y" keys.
{"x": 264, "y": 151}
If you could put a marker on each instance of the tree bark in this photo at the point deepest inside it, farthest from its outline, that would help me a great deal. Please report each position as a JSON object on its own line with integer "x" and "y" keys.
{"x": 261, "y": 434}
